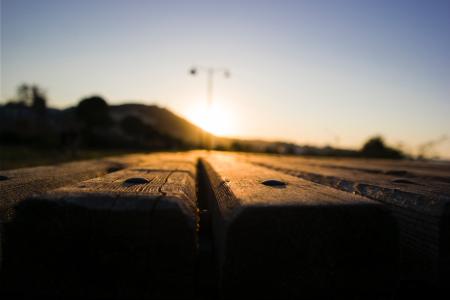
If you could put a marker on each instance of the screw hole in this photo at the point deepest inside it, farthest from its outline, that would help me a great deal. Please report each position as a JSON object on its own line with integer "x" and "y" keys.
{"x": 274, "y": 183}
{"x": 137, "y": 180}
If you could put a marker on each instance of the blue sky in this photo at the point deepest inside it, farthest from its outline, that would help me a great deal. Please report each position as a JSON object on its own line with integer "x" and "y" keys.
{"x": 317, "y": 72}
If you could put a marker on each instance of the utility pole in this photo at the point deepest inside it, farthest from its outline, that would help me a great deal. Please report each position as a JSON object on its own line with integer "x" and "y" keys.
{"x": 209, "y": 140}
{"x": 209, "y": 79}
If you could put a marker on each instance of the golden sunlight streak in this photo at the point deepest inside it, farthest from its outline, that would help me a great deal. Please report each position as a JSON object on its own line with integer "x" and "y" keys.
{"x": 215, "y": 119}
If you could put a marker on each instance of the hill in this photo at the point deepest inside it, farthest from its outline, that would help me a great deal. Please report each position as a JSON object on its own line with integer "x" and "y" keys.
{"x": 95, "y": 124}
{"x": 161, "y": 119}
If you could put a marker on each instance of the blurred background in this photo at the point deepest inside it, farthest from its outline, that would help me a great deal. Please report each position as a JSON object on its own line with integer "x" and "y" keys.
{"x": 83, "y": 79}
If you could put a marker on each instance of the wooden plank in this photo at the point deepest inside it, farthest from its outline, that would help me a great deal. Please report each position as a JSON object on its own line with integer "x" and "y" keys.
{"x": 128, "y": 234}
{"x": 422, "y": 171}
{"x": 16, "y": 185}
{"x": 289, "y": 241}
{"x": 419, "y": 200}
{"x": 429, "y": 196}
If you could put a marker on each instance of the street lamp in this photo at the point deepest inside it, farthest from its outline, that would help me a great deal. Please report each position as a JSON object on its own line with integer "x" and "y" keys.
{"x": 209, "y": 140}
{"x": 210, "y": 75}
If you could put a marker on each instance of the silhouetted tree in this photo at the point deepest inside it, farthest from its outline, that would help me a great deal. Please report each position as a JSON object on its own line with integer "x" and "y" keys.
{"x": 31, "y": 96}
{"x": 38, "y": 100}
{"x": 376, "y": 148}
{"x": 93, "y": 112}
{"x": 24, "y": 94}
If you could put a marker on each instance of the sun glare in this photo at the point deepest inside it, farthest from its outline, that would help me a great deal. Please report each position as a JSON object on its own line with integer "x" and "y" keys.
{"x": 215, "y": 119}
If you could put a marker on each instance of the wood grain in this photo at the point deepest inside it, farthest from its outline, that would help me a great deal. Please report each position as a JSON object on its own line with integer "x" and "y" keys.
{"x": 298, "y": 239}
{"x": 22, "y": 183}
{"x": 109, "y": 237}
{"x": 16, "y": 185}
{"x": 417, "y": 194}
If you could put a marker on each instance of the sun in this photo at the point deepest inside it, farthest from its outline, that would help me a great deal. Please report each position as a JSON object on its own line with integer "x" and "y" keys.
{"x": 215, "y": 118}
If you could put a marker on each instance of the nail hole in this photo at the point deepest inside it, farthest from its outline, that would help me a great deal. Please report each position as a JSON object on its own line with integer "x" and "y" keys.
{"x": 274, "y": 183}
{"x": 136, "y": 180}
{"x": 3, "y": 177}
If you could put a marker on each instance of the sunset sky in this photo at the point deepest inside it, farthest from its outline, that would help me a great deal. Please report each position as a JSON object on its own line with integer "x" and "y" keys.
{"x": 310, "y": 72}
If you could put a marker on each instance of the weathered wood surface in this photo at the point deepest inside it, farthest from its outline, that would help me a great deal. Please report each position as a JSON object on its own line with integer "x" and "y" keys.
{"x": 288, "y": 241}
{"x": 131, "y": 233}
{"x": 99, "y": 229}
{"x": 16, "y": 185}
{"x": 417, "y": 193}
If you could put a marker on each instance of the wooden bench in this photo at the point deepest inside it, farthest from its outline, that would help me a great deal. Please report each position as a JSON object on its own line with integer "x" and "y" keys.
{"x": 282, "y": 227}
{"x": 279, "y": 236}
{"x": 131, "y": 233}
{"x": 417, "y": 193}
